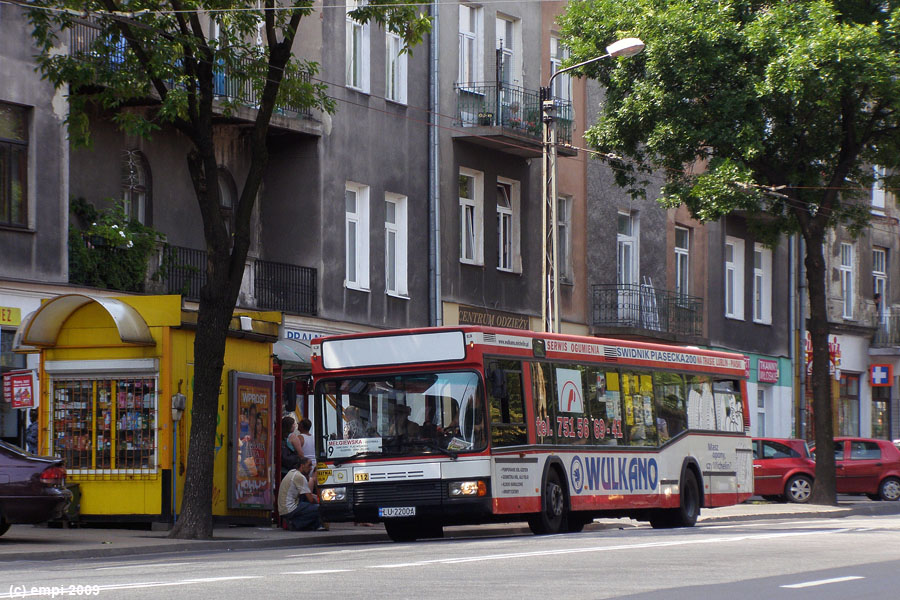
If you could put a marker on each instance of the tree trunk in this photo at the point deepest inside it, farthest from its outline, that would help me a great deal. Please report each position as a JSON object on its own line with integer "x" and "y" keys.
{"x": 824, "y": 487}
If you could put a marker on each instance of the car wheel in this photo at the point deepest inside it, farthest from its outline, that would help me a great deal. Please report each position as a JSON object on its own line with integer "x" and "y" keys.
{"x": 889, "y": 489}
{"x": 687, "y": 512}
{"x": 798, "y": 489}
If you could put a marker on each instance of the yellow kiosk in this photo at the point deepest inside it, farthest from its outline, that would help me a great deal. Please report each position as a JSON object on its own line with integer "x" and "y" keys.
{"x": 116, "y": 381}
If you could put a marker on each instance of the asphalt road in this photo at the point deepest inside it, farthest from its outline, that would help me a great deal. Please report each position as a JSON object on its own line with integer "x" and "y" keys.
{"x": 851, "y": 557}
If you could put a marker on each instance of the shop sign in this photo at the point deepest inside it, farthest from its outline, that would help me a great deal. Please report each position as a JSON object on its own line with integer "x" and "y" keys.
{"x": 834, "y": 357}
{"x": 252, "y": 400}
{"x": 10, "y": 315}
{"x": 470, "y": 315}
{"x": 767, "y": 370}
{"x": 304, "y": 335}
{"x": 18, "y": 389}
{"x": 881, "y": 375}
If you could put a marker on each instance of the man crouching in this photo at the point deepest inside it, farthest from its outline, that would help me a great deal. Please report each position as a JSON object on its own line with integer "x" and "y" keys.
{"x": 297, "y": 505}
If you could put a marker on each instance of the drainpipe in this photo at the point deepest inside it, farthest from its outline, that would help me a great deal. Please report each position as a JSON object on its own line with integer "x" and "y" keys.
{"x": 801, "y": 335}
{"x": 792, "y": 321}
{"x": 435, "y": 316}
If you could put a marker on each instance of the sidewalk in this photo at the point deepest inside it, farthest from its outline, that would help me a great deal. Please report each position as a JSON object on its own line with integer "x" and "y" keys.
{"x": 28, "y": 542}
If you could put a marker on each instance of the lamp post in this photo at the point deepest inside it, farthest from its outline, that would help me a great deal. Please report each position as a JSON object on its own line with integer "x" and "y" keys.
{"x": 549, "y": 245}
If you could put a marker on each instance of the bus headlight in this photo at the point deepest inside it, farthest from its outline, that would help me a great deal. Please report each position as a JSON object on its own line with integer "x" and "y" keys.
{"x": 334, "y": 494}
{"x": 467, "y": 488}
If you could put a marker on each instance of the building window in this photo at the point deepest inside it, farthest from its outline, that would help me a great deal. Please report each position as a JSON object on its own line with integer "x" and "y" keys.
{"x": 848, "y": 406}
{"x": 357, "y": 50}
{"x": 395, "y": 67}
{"x": 847, "y": 280}
{"x": 471, "y": 217}
{"x": 626, "y": 249}
{"x": 762, "y": 284}
{"x": 682, "y": 261}
{"x": 564, "y": 238}
{"x": 734, "y": 278}
{"x": 13, "y": 165}
{"x": 761, "y": 411}
{"x": 470, "y": 47}
{"x": 227, "y": 198}
{"x": 356, "y": 199}
{"x": 881, "y": 412}
{"x": 507, "y": 50}
{"x": 106, "y": 424}
{"x": 878, "y": 189}
{"x": 135, "y": 186}
{"x": 562, "y": 85}
{"x": 508, "y": 257}
{"x": 879, "y": 282}
{"x": 395, "y": 245}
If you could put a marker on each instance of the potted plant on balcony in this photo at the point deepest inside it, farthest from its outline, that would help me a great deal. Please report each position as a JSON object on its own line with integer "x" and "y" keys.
{"x": 108, "y": 250}
{"x": 485, "y": 119}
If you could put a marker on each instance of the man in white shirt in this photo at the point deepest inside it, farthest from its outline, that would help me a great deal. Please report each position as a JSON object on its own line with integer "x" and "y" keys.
{"x": 296, "y": 503}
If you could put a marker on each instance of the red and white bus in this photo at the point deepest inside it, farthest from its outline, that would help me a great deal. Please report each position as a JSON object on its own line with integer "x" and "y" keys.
{"x": 423, "y": 428}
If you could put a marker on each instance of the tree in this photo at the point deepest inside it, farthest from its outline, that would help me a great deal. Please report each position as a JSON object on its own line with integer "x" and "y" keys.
{"x": 163, "y": 50}
{"x": 778, "y": 109}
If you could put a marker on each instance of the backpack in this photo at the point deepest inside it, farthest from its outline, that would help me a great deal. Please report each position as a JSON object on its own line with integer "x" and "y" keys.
{"x": 289, "y": 457}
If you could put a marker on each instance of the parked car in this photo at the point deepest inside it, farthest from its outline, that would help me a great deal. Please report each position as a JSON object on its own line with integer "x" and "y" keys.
{"x": 32, "y": 488}
{"x": 867, "y": 466}
{"x": 782, "y": 469}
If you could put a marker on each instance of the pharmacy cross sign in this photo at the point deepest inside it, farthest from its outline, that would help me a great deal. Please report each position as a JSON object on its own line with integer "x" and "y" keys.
{"x": 881, "y": 375}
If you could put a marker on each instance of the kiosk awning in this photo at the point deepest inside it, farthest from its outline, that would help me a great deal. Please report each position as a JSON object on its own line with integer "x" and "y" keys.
{"x": 292, "y": 351}
{"x": 41, "y": 328}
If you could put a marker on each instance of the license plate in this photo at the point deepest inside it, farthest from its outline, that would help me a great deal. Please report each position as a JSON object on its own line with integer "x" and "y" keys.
{"x": 397, "y": 511}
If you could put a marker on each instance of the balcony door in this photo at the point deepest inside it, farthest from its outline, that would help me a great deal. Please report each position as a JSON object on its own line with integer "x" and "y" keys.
{"x": 629, "y": 300}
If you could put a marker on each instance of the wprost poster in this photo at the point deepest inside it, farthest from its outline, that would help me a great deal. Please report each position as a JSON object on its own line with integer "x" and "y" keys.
{"x": 251, "y": 475}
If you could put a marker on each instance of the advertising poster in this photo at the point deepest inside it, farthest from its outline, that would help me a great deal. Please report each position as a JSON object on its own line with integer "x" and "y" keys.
{"x": 251, "y": 474}
{"x": 18, "y": 389}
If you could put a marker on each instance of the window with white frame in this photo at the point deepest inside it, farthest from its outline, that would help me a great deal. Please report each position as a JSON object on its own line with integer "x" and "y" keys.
{"x": 762, "y": 284}
{"x": 135, "y": 185}
{"x": 508, "y": 44}
{"x": 562, "y": 85}
{"x": 563, "y": 237}
{"x": 761, "y": 393}
{"x": 395, "y": 67}
{"x": 626, "y": 249}
{"x": 471, "y": 217}
{"x": 682, "y": 261}
{"x": 508, "y": 256}
{"x": 734, "y": 278}
{"x": 357, "y": 51}
{"x": 395, "y": 248}
{"x": 356, "y": 198}
{"x": 846, "y": 270}
{"x": 879, "y": 281}
{"x": 470, "y": 44}
{"x": 878, "y": 189}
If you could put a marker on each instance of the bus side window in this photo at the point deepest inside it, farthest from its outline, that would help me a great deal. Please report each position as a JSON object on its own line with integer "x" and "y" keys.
{"x": 542, "y": 396}
{"x": 640, "y": 417}
{"x": 671, "y": 414}
{"x": 504, "y": 386}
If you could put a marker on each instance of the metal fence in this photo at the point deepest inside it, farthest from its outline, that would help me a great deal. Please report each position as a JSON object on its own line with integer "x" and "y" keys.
{"x": 184, "y": 271}
{"x": 887, "y": 330}
{"x": 646, "y": 307}
{"x": 284, "y": 287}
{"x": 510, "y": 107}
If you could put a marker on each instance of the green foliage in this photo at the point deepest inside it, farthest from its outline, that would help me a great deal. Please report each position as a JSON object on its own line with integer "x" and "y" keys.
{"x": 107, "y": 250}
{"x": 774, "y": 108}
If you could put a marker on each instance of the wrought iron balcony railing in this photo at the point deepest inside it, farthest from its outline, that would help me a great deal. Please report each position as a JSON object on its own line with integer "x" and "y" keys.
{"x": 288, "y": 288}
{"x": 645, "y": 307}
{"x": 510, "y": 107}
{"x": 887, "y": 330}
{"x": 183, "y": 271}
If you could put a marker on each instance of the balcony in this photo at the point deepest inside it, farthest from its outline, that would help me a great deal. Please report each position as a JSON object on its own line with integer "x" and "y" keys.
{"x": 236, "y": 99}
{"x": 273, "y": 286}
{"x": 887, "y": 330}
{"x": 508, "y": 118}
{"x": 643, "y": 311}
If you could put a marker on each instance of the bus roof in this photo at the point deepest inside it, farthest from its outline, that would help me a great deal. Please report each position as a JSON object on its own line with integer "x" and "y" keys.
{"x": 453, "y": 344}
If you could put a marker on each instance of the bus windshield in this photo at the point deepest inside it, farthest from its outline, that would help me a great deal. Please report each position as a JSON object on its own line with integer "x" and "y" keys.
{"x": 399, "y": 415}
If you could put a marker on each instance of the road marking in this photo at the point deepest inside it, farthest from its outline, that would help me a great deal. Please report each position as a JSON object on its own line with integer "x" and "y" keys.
{"x": 142, "y": 564}
{"x": 317, "y": 572}
{"x": 807, "y": 584}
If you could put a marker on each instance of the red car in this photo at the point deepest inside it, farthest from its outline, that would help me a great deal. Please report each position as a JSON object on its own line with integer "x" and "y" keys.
{"x": 867, "y": 466}
{"x": 782, "y": 469}
{"x": 32, "y": 488}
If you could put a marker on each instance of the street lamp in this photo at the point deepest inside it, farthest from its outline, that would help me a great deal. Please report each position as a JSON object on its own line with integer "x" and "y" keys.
{"x": 550, "y": 248}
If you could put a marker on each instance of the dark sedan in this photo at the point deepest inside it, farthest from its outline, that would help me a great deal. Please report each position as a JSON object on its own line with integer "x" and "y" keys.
{"x": 32, "y": 488}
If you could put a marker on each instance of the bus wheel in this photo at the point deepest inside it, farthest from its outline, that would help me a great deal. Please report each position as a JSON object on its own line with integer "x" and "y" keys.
{"x": 688, "y": 510}
{"x": 552, "y": 517}
{"x": 401, "y": 531}
{"x": 575, "y": 523}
